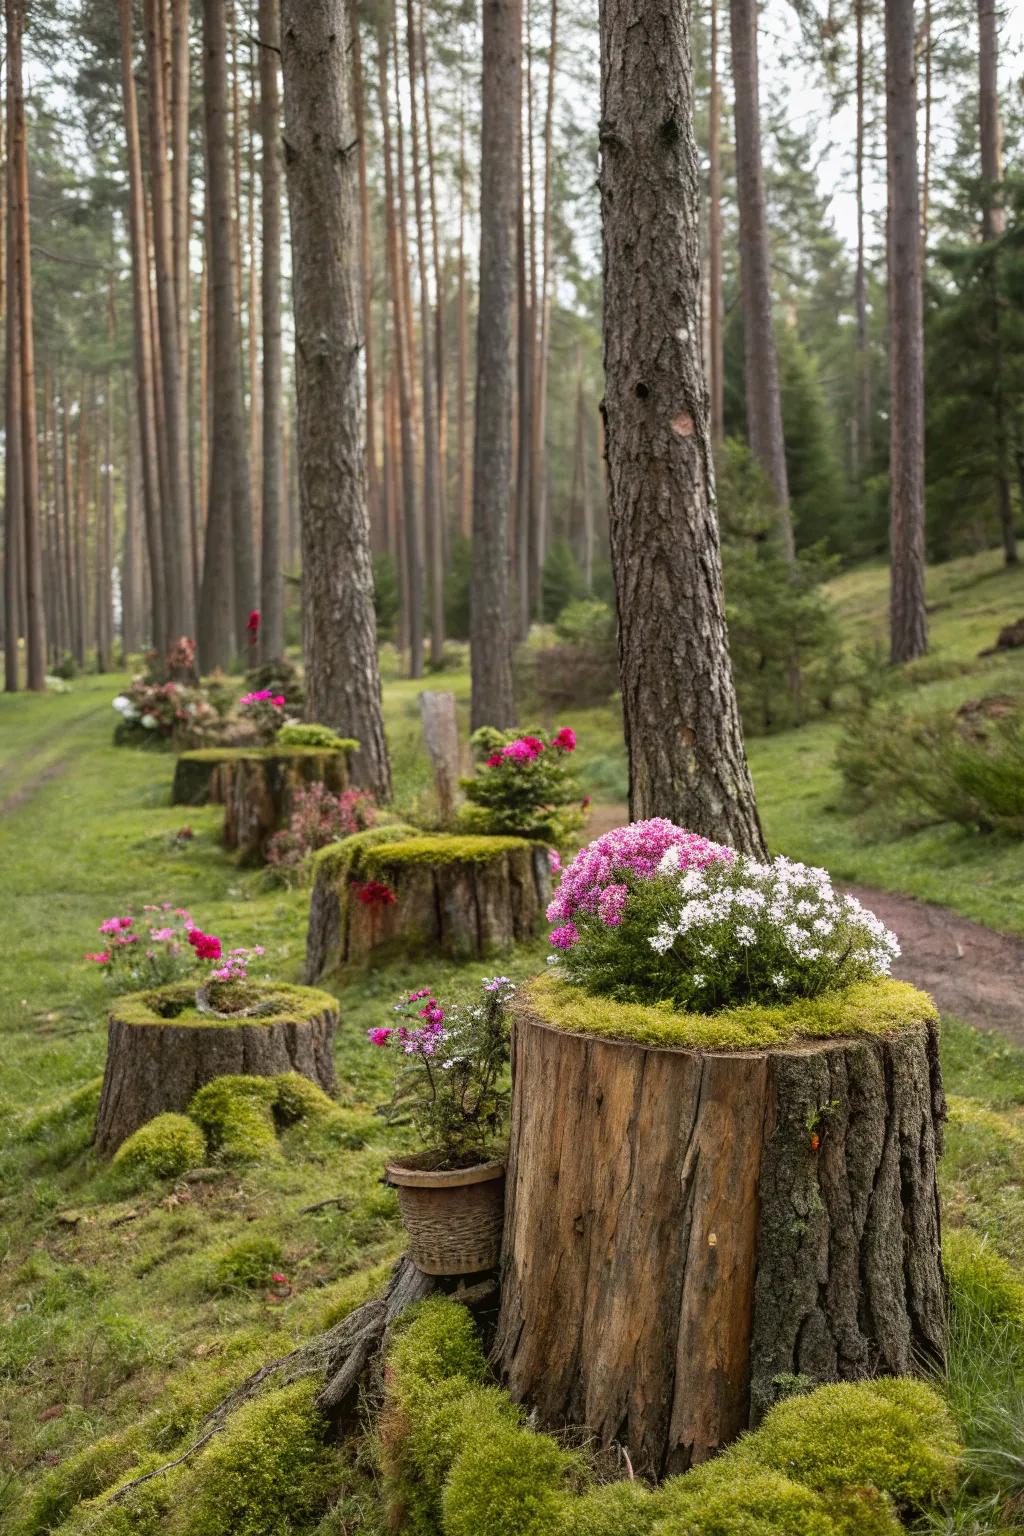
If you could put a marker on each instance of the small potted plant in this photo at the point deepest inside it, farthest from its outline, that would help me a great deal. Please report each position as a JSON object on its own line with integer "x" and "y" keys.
{"x": 452, "y": 1083}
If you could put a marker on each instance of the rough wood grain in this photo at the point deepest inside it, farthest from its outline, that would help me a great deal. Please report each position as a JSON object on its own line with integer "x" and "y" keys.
{"x": 441, "y": 738}
{"x": 258, "y": 794}
{"x": 682, "y": 1227}
{"x": 153, "y": 1068}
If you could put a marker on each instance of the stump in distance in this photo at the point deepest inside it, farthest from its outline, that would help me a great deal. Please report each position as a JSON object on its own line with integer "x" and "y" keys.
{"x": 688, "y": 1226}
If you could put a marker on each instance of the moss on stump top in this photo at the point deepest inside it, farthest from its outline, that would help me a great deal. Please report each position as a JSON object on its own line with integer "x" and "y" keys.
{"x": 444, "y": 849}
{"x": 340, "y": 859}
{"x": 258, "y": 754}
{"x": 869, "y": 1009}
{"x": 175, "y": 1005}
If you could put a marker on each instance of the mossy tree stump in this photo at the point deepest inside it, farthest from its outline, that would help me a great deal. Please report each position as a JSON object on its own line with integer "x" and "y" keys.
{"x": 463, "y": 897}
{"x": 160, "y": 1050}
{"x": 256, "y": 786}
{"x": 685, "y": 1225}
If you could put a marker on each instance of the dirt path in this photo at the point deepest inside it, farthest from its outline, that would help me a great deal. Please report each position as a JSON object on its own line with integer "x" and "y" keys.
{"x": 972, "y": 973}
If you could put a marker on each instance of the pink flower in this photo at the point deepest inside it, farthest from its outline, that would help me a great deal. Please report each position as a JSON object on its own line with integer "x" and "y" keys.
{"x": 494, "y": 761}
{"x": 110, "y": 925}
{"x": 554, "y": 860}
{"x": 564, "y": 937}
{"x": 611, "y": 903}
{"x": 278, "y": 701}
{"x": 379, "y": 1036}
{"x": 565, "y": 741}
{"x": 161, "y": 935}
{"x": 432, "y": 1013}
{"x": 635, "y": 850}
{"x": 102, "y": 957}
{"x": 206, "y": 945}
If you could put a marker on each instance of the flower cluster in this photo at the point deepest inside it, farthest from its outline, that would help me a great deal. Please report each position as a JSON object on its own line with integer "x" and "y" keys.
{"x": 146, "y": 951}
{"x": 153, "y": 711}
{"x": 206, "y": 945}
{"x": 319, "y": 817}
{"x": 595, "y": 881}
{"x": 235, "y": 966}
{"x": 524, "y": 787}
{"x": 452, "y": 1080}
{"x": 375, "y": 893}
{"x": 729, "y": 932}
{"x": 264, "y": 710}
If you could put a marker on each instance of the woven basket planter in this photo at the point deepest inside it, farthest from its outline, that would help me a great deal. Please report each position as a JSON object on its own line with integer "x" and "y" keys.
{"x": 453, "y": 1217}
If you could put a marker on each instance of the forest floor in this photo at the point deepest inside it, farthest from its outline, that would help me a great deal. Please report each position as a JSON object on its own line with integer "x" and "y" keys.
{"x": 116, "y": 1298}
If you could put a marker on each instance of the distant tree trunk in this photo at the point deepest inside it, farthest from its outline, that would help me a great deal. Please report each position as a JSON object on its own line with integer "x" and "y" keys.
{"x": 465, "y": 475}
{"x": 271, "y": 577}
{"x": 105, "y": 541}
{"x": 862, "y": 379}
{"x": 413, "y": 550}
{"x": 18, "y": 233}
{"x": 255, "y": 331}
{"x": 228, "y": 512}
{"x": 14, "y": 564}
{"x": 525, "y": 339}
{"x": 177, "y": 512}
{"x": 342, "y": 679}
{"x": 581, "y": 502}
{"x": 366, "y": 279}
{"x": 532, "y": 555}
{"x": 439, "y": 293}
{"x": 243, "y": 506}
{"x": 908, "y": 623}
{"x": 760, "y": 358}
{"x": 538, "y": 446}
{"x": 993, "y": 226}
{"x": 143, "y": 342}
{"x": 926, "y": 52}
{"x": 131, "y": 606}
{"x": 76, "y": 636}
{"x": 431, "y": 459}
{"x": 683, "y": 735}
{"x": 492, "y": 701}
{"x": 716, "y": 299}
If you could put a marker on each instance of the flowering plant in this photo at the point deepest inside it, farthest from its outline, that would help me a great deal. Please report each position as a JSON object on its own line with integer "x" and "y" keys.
{"x": 523, "y": 786}
{"x": 597, "y": 882}
{"x": 264, "y": 710}
{"x": 451, "y": 1080}
{"x": 164, "y": 945}
{"x": 375, "y": 893}
{"x": 153, "y": 711}
{"x": 319, "y": 817}
{"x": 730, "y": 931}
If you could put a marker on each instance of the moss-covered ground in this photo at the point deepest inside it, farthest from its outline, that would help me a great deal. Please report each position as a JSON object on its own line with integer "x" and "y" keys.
{"x": 127, "y": 1303}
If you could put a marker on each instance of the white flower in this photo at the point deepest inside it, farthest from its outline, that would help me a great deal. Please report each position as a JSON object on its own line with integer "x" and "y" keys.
{"x": 149, "y": 722}
{"x": 778, "y": 979}
{"x": 745, "y": 935}
{"x": 698, "y": 978}
{"x": 669, "y": 861}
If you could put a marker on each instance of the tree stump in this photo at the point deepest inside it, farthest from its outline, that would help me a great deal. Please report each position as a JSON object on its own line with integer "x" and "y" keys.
{"x": 683, "y": 1227}
{"x": 463, "y": 897}
{"x": 441, "y": 737}
{"x": 256, "y": 786}
{"x": 160, "y": 1050}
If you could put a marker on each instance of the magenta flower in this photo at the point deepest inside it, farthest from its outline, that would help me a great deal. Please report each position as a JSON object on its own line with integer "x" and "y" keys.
{"x": 565, "y": 741}
{"x": 102, "y": 957}
{"x": 564, "y": 937}
{"x": 378, "y": 1036}
{"x": 611, "y": 904}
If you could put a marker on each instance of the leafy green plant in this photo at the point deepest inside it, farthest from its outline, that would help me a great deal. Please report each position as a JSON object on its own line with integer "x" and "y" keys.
{"x": 523, "y": 785}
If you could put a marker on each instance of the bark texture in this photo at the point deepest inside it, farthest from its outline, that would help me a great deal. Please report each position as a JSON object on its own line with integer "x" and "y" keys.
{"x": 271, "y": 577}
{"x": 683, "y": 734}
{"x": 339, "y": 633}
{"x": 441, "y": 739}
{"x": 155, "y": 1068}
{"x": 682, "y": 1227}
{"x": 258, "y": 794}
{"x": 908, "y": 624}
{"x": 462, "y": 909}
{"x": 490, "y": 617}
{"x": 760, "y": 357}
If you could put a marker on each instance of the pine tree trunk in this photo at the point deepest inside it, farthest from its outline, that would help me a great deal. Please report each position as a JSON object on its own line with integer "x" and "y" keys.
{"x": 716, "y": 299}
{"x": 539, "y": 422}
{"x": 342, "y": 678}
{"x": 862, "y": 380}
{"x": 14, "y": 561}
{"x": 131, "y": 605}
{"x": 684, "y": 1227}
{"x": 908, "y": 625}
{"x": 271, "y": 561}
{"x": 143, "y": 342}
{"x": 683, "y": 735}
{"x": 490, "y": 618}
{"x": 373, "y": 487}
{"x": 760, "y": 358}
{"x": 465, "y": 474}
{"x": 441, "y": 395}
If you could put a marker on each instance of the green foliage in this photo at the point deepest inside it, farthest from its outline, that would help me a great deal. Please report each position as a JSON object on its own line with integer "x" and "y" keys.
{"x": 528, "y": 796}
{"x": 588, "y": 622}
{"x": 163, "y": 1148}
{"x": 279, "y": 676}
{"x": 236, "y": 1114}
{"x": 561, "y": 581}
{"x": 305, "y": 734}
{"x": 936, "y": 767}
{"x": 80, "y": 1476}
{"x": 385, "y": 596}
{"x": 868, "y": 1008}
{"x": 345, "y": 860}
{"x": 297, "y": 1098}
{"x": 457, "y": 581}
{"x": 581, "y": 667}
{"x": 268, "y": 1473}
{"x": 728, "y": 1498}
{"x": 246, "y": 1264}
{"x": 434, "y": 1341}
{"x": 507, "y": 1481}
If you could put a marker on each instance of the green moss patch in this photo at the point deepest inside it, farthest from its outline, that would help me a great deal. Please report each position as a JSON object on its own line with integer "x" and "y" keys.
{"x": 162, "y": 1148}
{"x": 258, "y": 754}
{"x": 339, "y": 861}
{"x": 246, "y": 1264}
{"x": 442, "y": 850}
{"x": 236, "y": 1113}
{"x": 870, "y": 1009}
{"x": 175, "y": 1004}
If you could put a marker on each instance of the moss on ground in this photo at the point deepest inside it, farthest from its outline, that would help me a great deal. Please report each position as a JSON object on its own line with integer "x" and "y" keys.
{"x": 162, "y": 1148}
{"x": 869, "y": 1009}
{"x": 175, "y": 1004}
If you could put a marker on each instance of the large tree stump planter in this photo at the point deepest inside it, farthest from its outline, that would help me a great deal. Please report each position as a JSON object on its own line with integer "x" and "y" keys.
{"x": 256, "y": 786}
{"x": 463, "y": 897}
{"x": 161, "y": 1049}
{"x": 686, "y": 1225}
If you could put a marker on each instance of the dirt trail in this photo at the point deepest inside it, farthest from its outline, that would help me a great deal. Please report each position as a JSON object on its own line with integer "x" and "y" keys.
{"x": 972, "y": 972}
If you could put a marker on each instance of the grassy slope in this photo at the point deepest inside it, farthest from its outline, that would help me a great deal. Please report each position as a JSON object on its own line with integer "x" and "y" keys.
{"x": 108, "y": 1292}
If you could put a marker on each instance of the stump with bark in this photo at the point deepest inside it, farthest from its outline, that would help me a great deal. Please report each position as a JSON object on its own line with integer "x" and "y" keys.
{"x": 256, "y": 786}
{"x": 463, "y": 897}
{"x": 684, "y": 1226}
{"x": 161, "y": 1048}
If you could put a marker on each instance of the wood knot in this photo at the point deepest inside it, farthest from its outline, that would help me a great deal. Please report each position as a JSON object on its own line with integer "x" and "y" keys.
{"x": 683, "y": 425}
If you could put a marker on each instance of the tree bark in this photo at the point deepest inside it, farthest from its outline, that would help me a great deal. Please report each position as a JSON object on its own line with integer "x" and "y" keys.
{"x": 14, "y": 560}
{"x": 683, "y": 1227}
{"x": 683, "y": 734}
{"x": 465, "y": 474}
{"x": 271, "y": 561}
{"x": 340, "y": 640}
{"x": 441, "y": 739}
{"x": 716, "y": 299}
{"x": 908, "y": 624}
{"x": 258, "y": 792}
{"x": 539, "y": 414}
{"x": 760, "y": 358}
{"x": 155, "y": 1069}
{"x": 490, "y": 618}
{"x": 373, "y": 488}
{"x": 862, "y": 377}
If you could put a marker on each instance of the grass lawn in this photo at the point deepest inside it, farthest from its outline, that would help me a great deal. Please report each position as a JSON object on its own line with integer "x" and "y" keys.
{"x": 122, "y": 1300}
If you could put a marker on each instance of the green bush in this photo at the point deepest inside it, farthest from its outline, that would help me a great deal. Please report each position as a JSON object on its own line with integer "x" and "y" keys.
{"x": 162, "y": 1148}
{"x": 268, "y": 1473}
{"x": 236, "y": 1114}
{"x": 507, "y": 1481}
{"x": 533, "y": 795}
{"x": 246, "y": 1264}
{"x": 579, "y": 669}
{"x": 894, "y": 1434}
{"x": 301, "y": 734}
{"x": 586, "y": 622}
